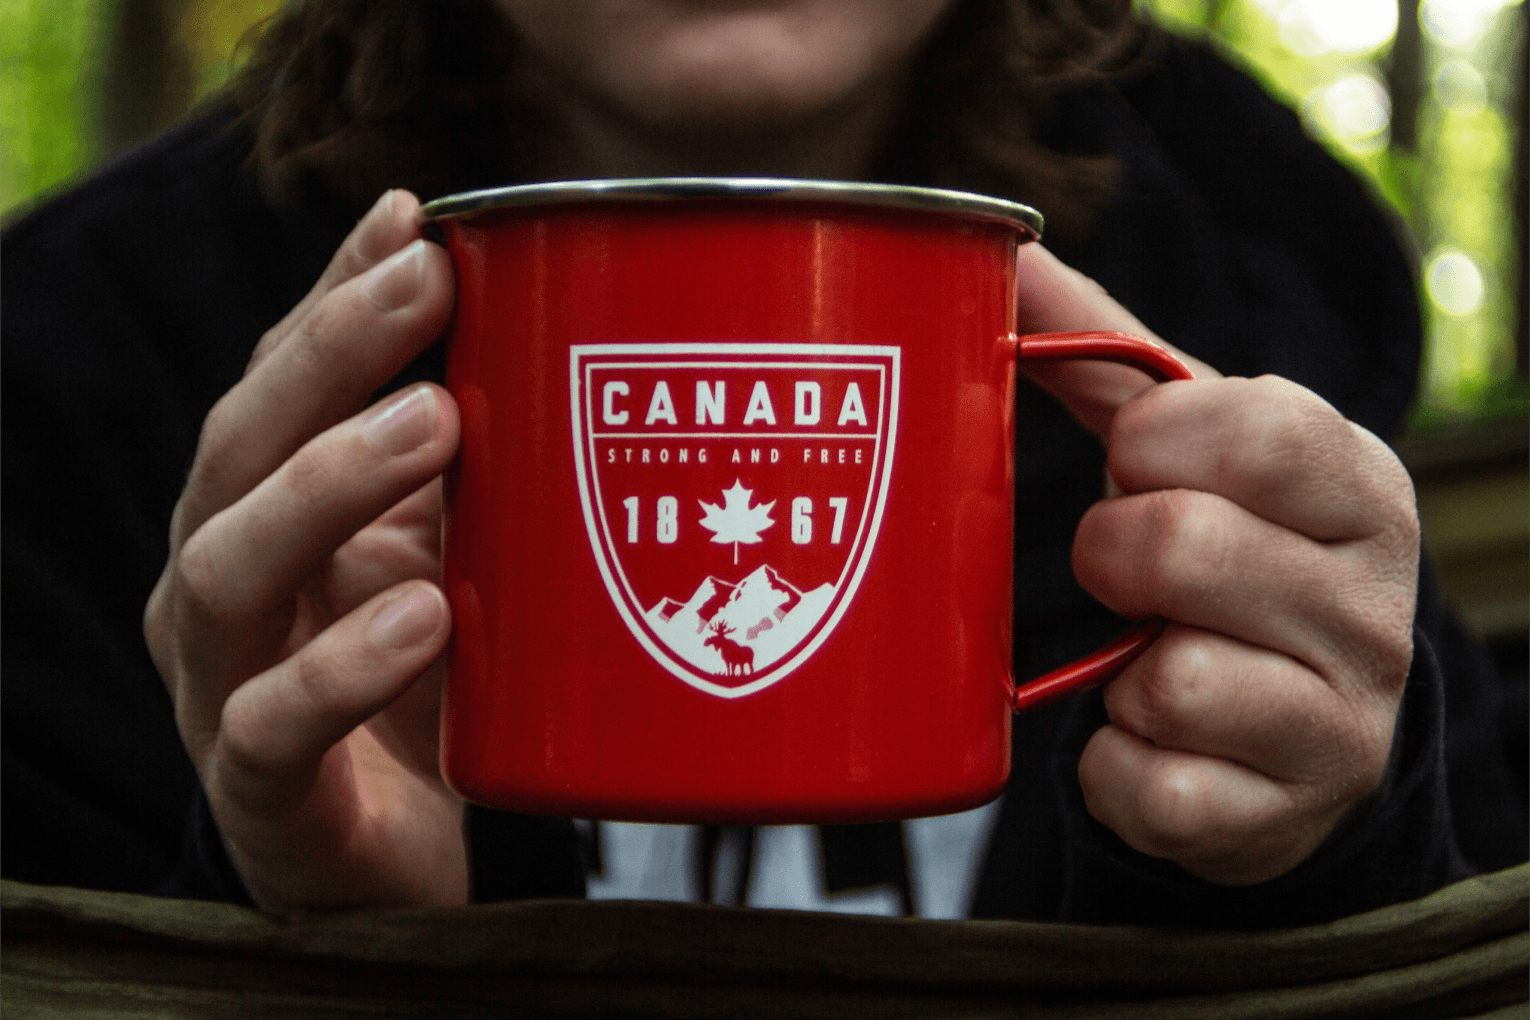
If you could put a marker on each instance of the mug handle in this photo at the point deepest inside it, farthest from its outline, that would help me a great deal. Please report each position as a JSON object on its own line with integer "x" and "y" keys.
{"x": 1124, "y": 349}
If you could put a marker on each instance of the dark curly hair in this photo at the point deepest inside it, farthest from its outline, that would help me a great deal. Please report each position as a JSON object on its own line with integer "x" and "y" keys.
{"x": 355, "y": 96}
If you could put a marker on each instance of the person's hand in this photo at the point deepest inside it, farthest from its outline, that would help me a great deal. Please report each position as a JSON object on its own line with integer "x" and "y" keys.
{"x": 298, "y": 619}
{"x": 1280, "y": 541}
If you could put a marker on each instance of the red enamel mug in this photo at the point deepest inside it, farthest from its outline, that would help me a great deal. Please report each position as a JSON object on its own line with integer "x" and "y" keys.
{"x": 730, "y": 534}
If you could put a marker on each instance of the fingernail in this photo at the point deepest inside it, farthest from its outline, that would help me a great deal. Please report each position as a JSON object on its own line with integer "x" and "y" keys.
{"x": 409, "y": 619}
{"x": 403, "y": 424}
{"x": 374, "y": 242}
{"x": 382, "y": 209}
{"x": 394, "y": 283}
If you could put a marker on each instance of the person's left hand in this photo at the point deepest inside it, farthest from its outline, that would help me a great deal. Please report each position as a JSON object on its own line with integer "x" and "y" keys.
{"x": 1281, "y": 543}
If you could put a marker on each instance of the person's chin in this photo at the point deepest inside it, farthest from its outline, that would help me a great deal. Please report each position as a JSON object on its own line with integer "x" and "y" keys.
{"x": 732, "y": 114}
{"x": 743, "y": 97}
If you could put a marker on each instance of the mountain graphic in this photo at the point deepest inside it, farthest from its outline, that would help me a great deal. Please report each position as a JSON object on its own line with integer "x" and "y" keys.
{"x": 666, "y": 609}
{"x": 733, "y": 631}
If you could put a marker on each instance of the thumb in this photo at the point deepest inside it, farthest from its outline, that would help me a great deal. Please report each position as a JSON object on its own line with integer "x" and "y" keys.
{"x": 1052, "y": 298}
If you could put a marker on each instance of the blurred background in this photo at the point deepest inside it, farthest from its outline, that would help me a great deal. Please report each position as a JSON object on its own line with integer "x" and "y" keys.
{"x": 1426, "y": 99}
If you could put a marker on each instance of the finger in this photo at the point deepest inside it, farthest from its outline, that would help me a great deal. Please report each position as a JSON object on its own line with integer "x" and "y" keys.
{"x": 1052, "y": 298}
{"x": 1269, "y": 445}
{"x": 405, "y": 542}
{"x": 1220, "y": 820}
{"x": 240, "y": 571}
{"x": 408, "y": 732}
{"x": 387, "y": 227}
{"x": 356, "y": 338}
{"x": 1210, "y": 694}
{"x": 275, "y": 730}
{"x": 1343, "y": 610}
{"x": 417, "y": 518}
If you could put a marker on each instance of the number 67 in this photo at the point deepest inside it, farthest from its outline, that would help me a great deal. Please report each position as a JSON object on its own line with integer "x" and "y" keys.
{"x": 802, "y": 519}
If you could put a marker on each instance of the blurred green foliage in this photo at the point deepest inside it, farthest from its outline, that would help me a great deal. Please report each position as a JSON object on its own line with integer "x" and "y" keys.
{"x": 50, "y": 55}
{"x": 1328, "y": 59}
{"x": 1332, "y": 60}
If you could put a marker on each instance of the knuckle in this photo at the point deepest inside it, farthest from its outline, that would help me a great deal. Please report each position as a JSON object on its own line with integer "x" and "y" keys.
{"x": 314, "y": 355}
{"x": 1173, "y": 814}
{"x": 159, "y": 634}
{"x": 269, "y": 341}
{"x": 1298, "y": 401}
{"x": 191, "y": 723}
{"x": 201, "y": 583}
{"x": 1391, "y": 504}
{"x": 1129, "y": 441}
{"x": 1377, "y": 649}
{"x": 1090, "y": 769}
{"x": 1397, "y": 502}
{"x": 156, "y": 616}
{"x": 1281, "y": 429}
{"x": 314, "y": 676}
{"x": 1166, "y": 692}
{"x": 353, "y": 258}
{"x": 307, "y": 477}
{"x": 1394, "y": 655}
{"x": 220, "y": 433}
{"x": 1093, "y": 286}
{"x": 1149, "y": 553}
{"x": 1183, "y": 552}
{"x": 244, "y": 741}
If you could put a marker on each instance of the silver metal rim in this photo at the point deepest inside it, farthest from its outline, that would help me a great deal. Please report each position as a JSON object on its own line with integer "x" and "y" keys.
{"x": 656, "y": 189}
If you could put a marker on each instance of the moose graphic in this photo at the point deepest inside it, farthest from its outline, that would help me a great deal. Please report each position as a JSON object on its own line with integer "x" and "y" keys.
{"x": 735, "y": 631}
{"x": 738, "y": 660}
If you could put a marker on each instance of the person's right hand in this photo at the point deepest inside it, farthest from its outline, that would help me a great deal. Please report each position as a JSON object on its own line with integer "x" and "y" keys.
{"x": 298, "y": 621}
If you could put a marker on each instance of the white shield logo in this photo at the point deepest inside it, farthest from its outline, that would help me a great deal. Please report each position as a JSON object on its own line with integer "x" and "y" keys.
{"x": 733, "y": 493}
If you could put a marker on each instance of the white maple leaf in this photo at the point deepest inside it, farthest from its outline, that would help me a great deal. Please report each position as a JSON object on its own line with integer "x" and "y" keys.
{"x": 736, "y": 521}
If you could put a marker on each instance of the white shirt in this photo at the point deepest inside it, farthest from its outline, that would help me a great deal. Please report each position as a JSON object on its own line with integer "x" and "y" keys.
{"x": 654, "y": 862}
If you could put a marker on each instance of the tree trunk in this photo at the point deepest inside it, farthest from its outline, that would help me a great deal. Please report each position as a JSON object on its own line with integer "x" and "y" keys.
{"x": 1404, "y": 74}
{"x": 1521, "y": 183}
